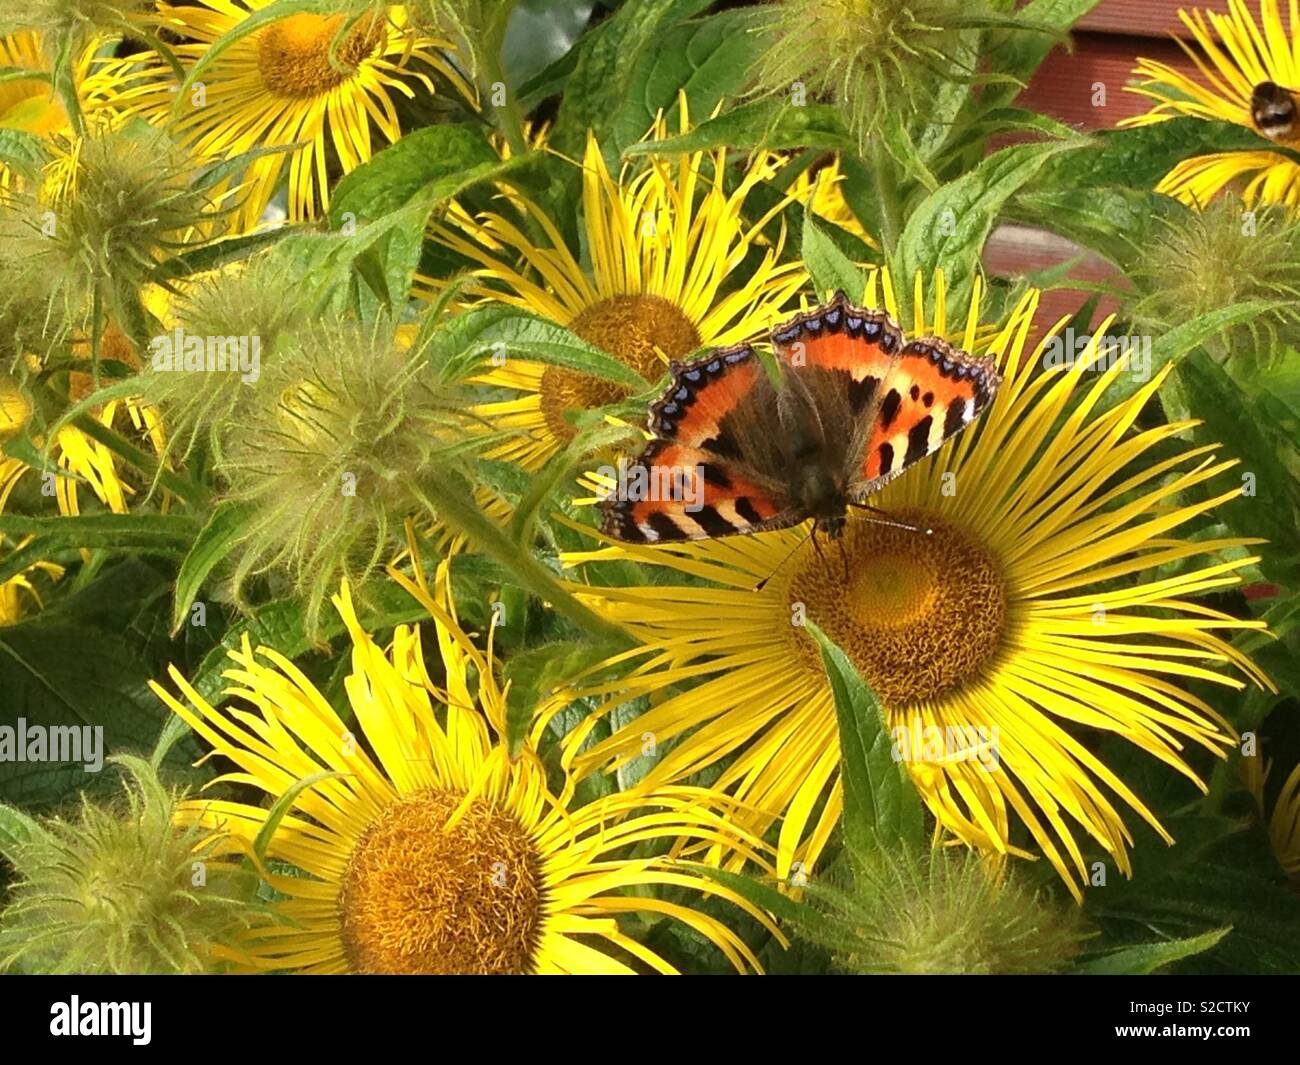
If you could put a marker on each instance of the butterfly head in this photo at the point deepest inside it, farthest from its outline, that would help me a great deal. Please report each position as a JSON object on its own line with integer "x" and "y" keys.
{"x": 1273, "y": 110}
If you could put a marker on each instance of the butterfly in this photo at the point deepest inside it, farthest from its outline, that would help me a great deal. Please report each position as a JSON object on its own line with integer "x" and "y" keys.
{"x": 1273, "y": 111}
{"x": 856, "y": 405}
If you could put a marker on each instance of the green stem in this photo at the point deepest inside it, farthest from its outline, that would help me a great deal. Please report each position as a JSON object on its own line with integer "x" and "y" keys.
{"x": 459, "y": 514}
{"x": 194, "y": 494}
{"x": 96, "y": 334}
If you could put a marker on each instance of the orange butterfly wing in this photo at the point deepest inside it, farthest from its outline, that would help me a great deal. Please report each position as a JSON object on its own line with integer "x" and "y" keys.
{"x": 933, "y": 392}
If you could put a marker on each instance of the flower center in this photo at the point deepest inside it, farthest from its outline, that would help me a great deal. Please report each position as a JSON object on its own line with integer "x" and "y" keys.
{"x": 293, "y": 54}
{"x": 918, "y": 614}
{"x": 633, "y": 328}
{"x": 420, "y": 898}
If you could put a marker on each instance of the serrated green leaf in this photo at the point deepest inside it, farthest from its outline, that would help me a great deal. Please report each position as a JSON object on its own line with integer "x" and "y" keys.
{"x": 463, "y": 340}
{"x": 707, "y": 60}
{"x": 763, "y": 123}
{"x": 426, "y": 165}
{"x": 1146, "y": 958}
{"x": 23, "y": 151}
{"x": 537, "y": 673}
{"x": 949, "y": 228}
{"x": 1173, "y": 346}
{"x": 606, "y": 58}
{"x": 830, "y": 268}
{"x": 214, "y": 542}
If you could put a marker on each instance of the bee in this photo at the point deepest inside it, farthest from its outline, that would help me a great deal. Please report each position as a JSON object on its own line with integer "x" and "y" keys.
{"x": 1274, "y": 111}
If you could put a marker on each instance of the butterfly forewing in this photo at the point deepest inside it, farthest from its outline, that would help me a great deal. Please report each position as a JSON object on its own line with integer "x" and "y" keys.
{"x": 933, "y": 392}
{"x": 705, "y": 425}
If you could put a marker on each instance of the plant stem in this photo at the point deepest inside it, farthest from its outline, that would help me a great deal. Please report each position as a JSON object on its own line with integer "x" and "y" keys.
{"x": 194, "y": 494}
{"x": 458, "y": 512}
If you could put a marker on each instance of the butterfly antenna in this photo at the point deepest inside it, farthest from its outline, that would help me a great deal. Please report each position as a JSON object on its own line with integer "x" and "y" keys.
{"x": 886, "y": 521}
{"x": 789, "y": 555}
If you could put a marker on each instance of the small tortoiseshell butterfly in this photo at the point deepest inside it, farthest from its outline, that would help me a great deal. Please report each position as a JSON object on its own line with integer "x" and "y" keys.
{"x": 856, "y": 406}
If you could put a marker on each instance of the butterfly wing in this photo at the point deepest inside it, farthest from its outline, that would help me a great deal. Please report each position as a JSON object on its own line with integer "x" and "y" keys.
{"x": 692, "y": 482}
{"x": 859, "y": 347}
{"x": 932, "y": 392}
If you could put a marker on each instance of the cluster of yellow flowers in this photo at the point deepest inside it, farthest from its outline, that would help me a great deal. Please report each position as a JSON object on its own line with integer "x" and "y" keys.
{"x": 1054, "y": 596}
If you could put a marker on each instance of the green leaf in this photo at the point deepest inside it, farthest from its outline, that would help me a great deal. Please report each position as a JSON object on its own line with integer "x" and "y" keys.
{"x": 363, "y": 270}
{"x": 282, "y": 806}
{"x": 606, "y": 58}
{"x": 707, "y": 60}
{"x": 499, "y": 329}
{"x": 221, "y": 253}
{"x": 426, "y": 165}
{"x": 1174, "y": 346}
{"x": 949, "y": 228}
{"x": 830, "y": 268}
{"x": 539, "y": 672}
{"x": 1022, "y": 53}
{"x": 164, "y": 533}
{"x": 213, "y": 543}
{"x": 1109, "y": 219}
{"x": 763, "y": 123}
{"x": 1146, "y": 958}
{"x": 59, "y": 670}
{"x": 881, "y": 807}
{"x": 1138, "y": 158}
{"x": 24, "y": 152}
{"x": 1230, "y": 418}
{"x": 770, "y": 898}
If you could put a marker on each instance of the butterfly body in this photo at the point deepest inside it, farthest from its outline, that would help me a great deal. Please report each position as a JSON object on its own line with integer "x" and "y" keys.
{"x": 854, "y": 405}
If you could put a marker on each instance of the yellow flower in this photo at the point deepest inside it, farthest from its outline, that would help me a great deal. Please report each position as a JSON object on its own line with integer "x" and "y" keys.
{"x": 28, "y": 105}
{"x": 425, "y": 848}
{"x": 666, "y": 246}
{"x": 1039, "y": 601}
{"x": 19, "y": 588}
{"x": 280, "y": 85}
{"x": 1283, "y": 820}
{"x": 823, "y": 193}
{"x": 1249, "y": 70}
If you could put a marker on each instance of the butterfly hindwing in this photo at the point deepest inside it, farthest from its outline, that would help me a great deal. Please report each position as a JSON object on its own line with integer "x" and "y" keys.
{"x": 689, "y": 482}
{"x": 933, "y": 391}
